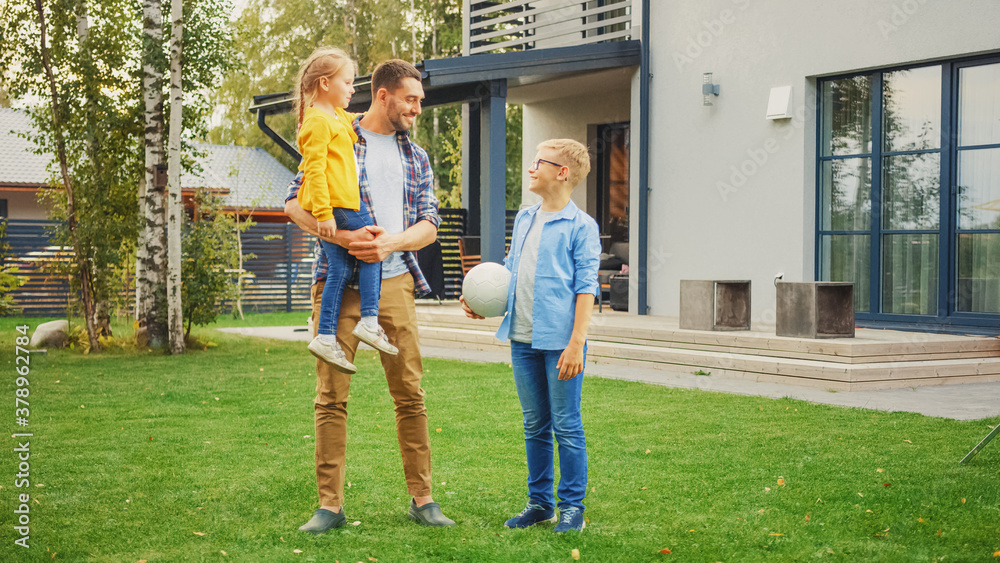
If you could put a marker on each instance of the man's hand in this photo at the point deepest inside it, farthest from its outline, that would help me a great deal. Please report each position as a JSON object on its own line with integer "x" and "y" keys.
{"x": 376, "y": 248}
{"x": 365, "y": 234}
{"x": 570, "y": 362}
{"x": 327, "y": 229}
{"x": 465, "y": 308}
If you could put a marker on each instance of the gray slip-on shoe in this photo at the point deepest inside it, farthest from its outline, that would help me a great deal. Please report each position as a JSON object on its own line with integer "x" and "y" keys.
{"x": 429, "y": 515}
{"x": 324, "y": 520}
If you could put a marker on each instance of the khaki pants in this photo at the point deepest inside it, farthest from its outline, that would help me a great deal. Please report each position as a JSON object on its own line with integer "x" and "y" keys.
{"x": 397, "y": 315}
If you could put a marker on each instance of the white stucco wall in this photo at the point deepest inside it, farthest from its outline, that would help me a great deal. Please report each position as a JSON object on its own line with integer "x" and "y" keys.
{"x": 568, "y": 117}
{"x": 733, "y": 194}
{"x": 24, "y": 205}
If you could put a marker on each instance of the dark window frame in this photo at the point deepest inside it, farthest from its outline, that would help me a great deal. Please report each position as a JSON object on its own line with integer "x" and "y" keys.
{"x": 947, "y": 316}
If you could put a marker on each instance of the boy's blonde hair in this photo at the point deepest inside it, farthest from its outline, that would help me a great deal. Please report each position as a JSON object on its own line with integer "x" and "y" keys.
{"x": 323, "y": 62}
{"x": 573, "y": 155}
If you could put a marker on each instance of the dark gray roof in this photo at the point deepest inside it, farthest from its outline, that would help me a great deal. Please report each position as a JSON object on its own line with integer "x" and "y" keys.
{"x": 253, "y": 178}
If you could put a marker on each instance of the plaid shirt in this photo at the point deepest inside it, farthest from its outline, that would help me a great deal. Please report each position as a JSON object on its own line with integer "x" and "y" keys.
{"x": 420, "y": 202}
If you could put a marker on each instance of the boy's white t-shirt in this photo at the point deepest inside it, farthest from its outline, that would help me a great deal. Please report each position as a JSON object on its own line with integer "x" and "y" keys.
{"x": 524, "y": 291}
{"x": 384, "y": 168}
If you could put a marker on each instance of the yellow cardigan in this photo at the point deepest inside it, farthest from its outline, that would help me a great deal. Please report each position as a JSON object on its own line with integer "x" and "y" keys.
{"x": 330, "y": 177}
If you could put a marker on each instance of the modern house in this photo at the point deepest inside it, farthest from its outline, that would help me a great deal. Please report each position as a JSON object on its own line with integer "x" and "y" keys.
{"x": 851, "y": 141}
{"x": 734, "y": 139}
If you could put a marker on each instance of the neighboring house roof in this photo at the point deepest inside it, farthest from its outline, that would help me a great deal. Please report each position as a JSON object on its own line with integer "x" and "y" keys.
{"x": 246, "y": 177}
{"x": 18, "y": 163}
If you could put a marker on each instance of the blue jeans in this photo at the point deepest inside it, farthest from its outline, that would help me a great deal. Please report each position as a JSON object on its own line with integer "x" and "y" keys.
{"x": 550, "y": 405}
{"x": 340, "y": 266}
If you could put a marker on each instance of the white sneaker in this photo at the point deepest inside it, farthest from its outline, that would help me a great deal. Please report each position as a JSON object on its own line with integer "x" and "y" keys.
{"x": 331, "y": 354}
{"x": 375, "y": 338}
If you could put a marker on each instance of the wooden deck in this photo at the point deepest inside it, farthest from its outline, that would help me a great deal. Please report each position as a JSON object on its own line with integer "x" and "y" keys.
{"x": 874, "y": 359}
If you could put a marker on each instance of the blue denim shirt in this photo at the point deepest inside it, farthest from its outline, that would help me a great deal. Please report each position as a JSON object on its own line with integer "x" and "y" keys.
{"x": 569, "y": 256}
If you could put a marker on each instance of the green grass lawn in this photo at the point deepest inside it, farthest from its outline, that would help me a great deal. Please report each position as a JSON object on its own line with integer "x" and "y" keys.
{"x": 209, "y": 457}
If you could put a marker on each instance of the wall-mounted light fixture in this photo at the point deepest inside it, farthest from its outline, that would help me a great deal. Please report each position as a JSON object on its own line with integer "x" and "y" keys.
{"x": 708, "y": 89}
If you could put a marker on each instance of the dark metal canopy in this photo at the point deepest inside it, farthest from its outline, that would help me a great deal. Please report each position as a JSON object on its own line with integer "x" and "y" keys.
{"x": 481, "y": 82}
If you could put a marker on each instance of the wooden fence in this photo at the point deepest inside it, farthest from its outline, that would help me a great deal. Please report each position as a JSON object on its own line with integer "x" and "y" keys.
{"x": 281, "y": 268}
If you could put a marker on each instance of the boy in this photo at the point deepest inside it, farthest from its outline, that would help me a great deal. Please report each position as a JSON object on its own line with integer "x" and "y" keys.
{"x": 554, "y": 257}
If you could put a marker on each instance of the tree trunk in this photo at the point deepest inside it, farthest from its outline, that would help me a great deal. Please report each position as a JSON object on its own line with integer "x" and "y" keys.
{"x": 176, "y": 210}
{"x": 82, "y": 264}
{"x": 151, "y": 270}
{"x": 102, "y": 304}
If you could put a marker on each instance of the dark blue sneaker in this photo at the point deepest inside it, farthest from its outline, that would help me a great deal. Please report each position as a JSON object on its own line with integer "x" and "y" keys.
{"x": 571, "y": 520}
{"x": 531, "y": 515}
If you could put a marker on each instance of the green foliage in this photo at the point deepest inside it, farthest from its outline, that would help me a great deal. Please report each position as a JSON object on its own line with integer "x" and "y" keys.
{"x": 9, "y": 280}
{"x": 96, "y": 53}
{"x": 211, "y": 256}
{"x": 272, "y": 37}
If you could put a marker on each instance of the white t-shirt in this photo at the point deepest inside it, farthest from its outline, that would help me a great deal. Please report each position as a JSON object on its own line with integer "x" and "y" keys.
{"x": 384, "y": 168}
{"x": 524, "y": 291}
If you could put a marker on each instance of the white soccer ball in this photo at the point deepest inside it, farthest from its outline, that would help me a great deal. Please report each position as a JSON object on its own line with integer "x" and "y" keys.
{"x": 485, "y": 289}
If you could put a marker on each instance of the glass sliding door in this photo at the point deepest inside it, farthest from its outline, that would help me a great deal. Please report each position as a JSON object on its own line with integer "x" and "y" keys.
{"x": 978, "y": 190}
{"x": 911, "y": 190}
{"x": 908, "y": 192}
{"x": 845, "y": 181}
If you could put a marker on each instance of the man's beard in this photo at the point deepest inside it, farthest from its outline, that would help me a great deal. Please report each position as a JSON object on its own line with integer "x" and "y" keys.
{"x": 399, "y": 123}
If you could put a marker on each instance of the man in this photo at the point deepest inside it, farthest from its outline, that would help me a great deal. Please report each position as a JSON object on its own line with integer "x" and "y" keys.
{"x": 397, "y": 184}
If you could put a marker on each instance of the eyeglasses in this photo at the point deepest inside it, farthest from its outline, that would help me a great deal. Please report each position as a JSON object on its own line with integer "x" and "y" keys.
{"x": 534, "y": 165}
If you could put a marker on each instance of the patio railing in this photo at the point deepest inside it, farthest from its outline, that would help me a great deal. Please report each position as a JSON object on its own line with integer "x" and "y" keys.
{"x": 518, "y": 25}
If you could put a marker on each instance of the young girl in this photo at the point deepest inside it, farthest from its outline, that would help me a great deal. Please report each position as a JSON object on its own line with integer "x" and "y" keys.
{"x": 331, "y": 193}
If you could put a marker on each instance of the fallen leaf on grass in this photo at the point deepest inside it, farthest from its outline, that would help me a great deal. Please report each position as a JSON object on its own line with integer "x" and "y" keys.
{"x": 372, "y": 559}
{"x": 199, "y": 533}
{"x": 356, "y": 523}
{"x": 774, "y": 534}
{"x": 879, "y": 470}
{"x": 963, "y": 501}
{"x": 282, "y": 538}
{"x": 908, "y": 442}
{"x": 438, "y": 429}
{"x": 869, "y": 511}
{"x": 888, "y": 484}
{"x": 781, "y": 481}
{"x": 296, "y": 551}
{"x": 575, "y": 554}
{"x": 996, "y": 553}
{"x": 861, "y": 495}
{"x": 921, "y": 520}
{"x": 665, "y": 551}
{"x": 807, "y": 517}
{"x": 767, "y": 489}
{"x": 649, "y": 451}
{"x": 223, "y": 552}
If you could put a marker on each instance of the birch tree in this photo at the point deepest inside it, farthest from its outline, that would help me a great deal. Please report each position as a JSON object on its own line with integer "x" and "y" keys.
{"x": 151, "y": 252}
{"x": 176, "y": 211}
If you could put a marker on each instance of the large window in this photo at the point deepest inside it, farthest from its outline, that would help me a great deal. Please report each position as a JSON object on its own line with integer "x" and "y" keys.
{"x": 909, "y": 191}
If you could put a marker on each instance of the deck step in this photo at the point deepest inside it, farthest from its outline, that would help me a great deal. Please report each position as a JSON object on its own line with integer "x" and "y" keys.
{"x": 875, "y": 360}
